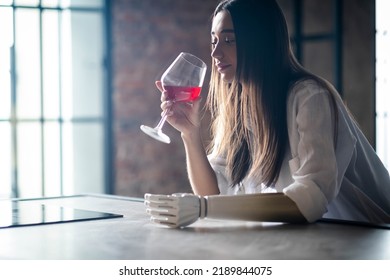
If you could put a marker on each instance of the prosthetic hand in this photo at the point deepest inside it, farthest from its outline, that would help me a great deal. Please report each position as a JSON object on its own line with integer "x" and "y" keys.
{"x": 177, "y": 210}
{"x": 180, "y": 210}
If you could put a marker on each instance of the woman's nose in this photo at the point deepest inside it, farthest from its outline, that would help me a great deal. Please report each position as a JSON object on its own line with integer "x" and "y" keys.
{"x": 216, "y": 52}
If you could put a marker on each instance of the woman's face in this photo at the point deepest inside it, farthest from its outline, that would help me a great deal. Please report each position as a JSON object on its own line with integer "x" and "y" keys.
{"x": 223, "y": 42}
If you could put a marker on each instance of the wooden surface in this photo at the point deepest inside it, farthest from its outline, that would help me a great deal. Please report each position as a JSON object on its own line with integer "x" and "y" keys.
{"x": 135, "y": 237}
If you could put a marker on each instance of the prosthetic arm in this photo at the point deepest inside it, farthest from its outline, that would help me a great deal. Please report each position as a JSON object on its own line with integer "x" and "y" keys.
{"x": 180, "y": 210}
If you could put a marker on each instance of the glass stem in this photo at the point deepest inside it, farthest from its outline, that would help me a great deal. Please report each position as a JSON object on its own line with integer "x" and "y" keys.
{"x": 163, "y": 119}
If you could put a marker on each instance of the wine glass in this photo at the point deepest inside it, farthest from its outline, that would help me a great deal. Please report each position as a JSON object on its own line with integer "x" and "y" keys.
{"x": 183, "y": 82}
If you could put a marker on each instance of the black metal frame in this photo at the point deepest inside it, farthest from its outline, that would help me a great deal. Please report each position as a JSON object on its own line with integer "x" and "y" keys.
{"x": 335, "y": 36}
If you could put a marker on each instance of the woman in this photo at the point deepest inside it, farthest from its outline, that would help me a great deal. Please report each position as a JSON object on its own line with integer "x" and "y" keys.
{"x": 276, "y": 127}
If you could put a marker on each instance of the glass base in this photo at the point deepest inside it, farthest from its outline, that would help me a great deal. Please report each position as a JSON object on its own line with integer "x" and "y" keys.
{"x": 156, "y": 134}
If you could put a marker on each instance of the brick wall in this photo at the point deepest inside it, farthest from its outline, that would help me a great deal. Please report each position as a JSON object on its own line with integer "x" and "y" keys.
{"x": 147, "y": 36}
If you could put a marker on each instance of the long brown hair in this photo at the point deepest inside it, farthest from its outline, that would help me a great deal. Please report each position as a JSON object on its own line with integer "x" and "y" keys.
{"x": 249, "y": 115}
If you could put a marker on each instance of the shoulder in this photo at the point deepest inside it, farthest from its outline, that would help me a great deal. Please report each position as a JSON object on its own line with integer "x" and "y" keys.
{"x": 308, "y": 86}
{"x": 305, "y": 90}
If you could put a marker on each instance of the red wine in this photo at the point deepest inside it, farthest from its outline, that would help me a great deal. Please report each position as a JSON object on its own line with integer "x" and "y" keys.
{"x": 183, "y": 94}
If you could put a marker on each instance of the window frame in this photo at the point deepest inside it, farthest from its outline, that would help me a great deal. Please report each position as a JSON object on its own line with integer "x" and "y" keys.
{"x": 105, "y": 120}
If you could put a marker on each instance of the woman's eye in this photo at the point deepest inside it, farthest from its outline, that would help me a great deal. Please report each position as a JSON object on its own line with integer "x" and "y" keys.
{"x": 226, "y": 40}
{"x": 230, "y": 41}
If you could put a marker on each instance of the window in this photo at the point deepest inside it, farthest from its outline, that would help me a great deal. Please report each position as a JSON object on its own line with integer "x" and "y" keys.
{"x": 53, "y": 97}
{"x": 383, "y": 81}
{"x": 312, "y": 37}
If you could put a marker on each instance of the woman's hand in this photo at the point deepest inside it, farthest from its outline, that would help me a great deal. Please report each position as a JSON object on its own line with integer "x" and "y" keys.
{"x": 183, "y": 116}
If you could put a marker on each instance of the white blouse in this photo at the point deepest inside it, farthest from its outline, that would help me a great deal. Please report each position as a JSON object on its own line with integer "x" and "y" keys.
{"x": 349, "y": 182}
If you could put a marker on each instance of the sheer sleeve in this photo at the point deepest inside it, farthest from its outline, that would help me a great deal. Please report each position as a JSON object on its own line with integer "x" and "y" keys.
{"x": 313, "y": 165}
{"x": 219, "y": 166}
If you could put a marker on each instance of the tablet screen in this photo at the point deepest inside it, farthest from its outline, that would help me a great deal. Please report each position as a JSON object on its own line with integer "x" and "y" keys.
{"x": 23, "y": 213}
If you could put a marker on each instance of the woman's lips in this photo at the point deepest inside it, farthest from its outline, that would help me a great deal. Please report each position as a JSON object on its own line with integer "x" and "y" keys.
{"x": 222, "y": 67}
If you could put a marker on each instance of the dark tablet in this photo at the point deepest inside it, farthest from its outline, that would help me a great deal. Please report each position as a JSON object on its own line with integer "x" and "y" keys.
{"x": 24, "y": 213}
